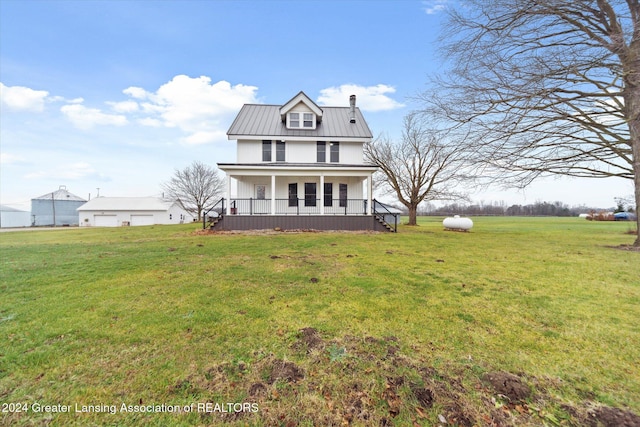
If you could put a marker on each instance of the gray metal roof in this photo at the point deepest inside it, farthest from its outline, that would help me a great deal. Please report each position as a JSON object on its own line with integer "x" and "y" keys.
{"x": 60, "y": 194}
{"x": 5, "y": 208}
{"x": 127, "y": 204}
{"x": 262, "y": 120}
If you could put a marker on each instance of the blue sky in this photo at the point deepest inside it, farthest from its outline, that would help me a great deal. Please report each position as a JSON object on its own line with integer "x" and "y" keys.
{"x": 117, "y": 94}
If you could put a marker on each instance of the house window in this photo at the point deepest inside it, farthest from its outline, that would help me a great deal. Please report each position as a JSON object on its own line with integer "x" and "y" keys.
{"x": 261, "y": 192}
{"x": 309, "y": 193}
{"x": 294, "y": 120}
{"x": 293, "y": 195}
{"x": 301, "y": 120}
{"x": 343, "y": 195}
{"x": 322, "y": 151}
{"x": 307, "y": 120}
{"x": 328, "y": 194}
{"x": 280, "y": 151}
{"x": 266, "y": 151}
{"x": 334, "y": 152}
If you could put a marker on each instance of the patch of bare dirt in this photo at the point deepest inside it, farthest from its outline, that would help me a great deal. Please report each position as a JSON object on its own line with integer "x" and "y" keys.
{"x": 257, "y": 390}
{"x": 423, "y": 396}
{"x": 286, "y": 371}
{"x": 309, "y": 339}
{"x": 605, "y": 416}
{"x": 508, "y": 385}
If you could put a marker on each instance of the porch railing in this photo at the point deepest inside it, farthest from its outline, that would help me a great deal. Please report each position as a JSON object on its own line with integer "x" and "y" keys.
{"x": 298, "y": 206}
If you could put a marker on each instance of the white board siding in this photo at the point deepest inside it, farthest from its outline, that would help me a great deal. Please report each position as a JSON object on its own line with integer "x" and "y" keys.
{"x": 250, "y": 151}
{"x": 16, "y": 218}
{"x": 142, "y": 220}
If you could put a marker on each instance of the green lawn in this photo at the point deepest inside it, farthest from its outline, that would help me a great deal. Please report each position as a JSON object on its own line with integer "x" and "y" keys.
{"x": 321, "y": 328}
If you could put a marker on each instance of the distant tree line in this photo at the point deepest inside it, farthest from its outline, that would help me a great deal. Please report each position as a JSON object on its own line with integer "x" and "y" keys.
{"x": 501, "y": 209}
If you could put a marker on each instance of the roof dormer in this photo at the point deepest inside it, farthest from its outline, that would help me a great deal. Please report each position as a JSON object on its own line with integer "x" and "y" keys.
{"x": 301, "y": 113}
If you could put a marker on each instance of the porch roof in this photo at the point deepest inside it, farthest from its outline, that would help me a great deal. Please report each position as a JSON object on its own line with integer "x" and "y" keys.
{"x": 279, "y": 168}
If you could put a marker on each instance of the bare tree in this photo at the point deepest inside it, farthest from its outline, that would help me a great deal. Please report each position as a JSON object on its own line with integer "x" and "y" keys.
{"x": 197, "y": 187}
{"x": 549, "y": 87}
{"x": 420, "y": 167}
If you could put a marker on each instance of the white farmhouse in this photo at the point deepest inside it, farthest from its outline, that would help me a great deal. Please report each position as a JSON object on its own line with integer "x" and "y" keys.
{"x": 299, "y": 166}
{"x": 123, "y": 211}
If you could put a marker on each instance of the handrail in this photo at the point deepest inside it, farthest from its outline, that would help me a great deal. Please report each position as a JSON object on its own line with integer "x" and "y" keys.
{"x": 381, "y": 215}
{"x": 218, "y": 208}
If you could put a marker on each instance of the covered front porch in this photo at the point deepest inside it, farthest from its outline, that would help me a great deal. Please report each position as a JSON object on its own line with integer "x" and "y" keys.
{"x": 317, "y": 196}
{"x": 298, "y": 189}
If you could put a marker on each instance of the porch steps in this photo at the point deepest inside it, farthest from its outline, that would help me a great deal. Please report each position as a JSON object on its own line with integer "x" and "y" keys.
{"x": 215, "y": 221}
{"x": 385, "y": 224}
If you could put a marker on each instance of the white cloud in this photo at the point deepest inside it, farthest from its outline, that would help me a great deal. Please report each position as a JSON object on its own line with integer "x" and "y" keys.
{"x": 431, "y": 7}
{"x": 124, "y": 106}
{"x": 86, "y": 118}
{"x": 20, "y": 98}
{"x": 135, "y": 92}
{"x": 193, "y": 105}
{"x": 368, "y": 98}
{"x": 148, "y": 121}
{"x": 74, "y": 171}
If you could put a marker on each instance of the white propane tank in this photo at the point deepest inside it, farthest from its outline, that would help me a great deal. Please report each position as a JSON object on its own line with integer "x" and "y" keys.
{"x": 457, "y": 223}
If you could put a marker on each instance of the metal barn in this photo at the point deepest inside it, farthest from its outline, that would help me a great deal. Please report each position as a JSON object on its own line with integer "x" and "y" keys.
{"x": 12, "y": 217}
{"x": 57, "y": 208}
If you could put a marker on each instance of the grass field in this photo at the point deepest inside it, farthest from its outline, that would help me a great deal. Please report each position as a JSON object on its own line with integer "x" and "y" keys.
{"x": 522, "y": 321}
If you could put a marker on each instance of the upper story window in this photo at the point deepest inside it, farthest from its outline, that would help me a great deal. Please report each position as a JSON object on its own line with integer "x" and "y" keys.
{"x": 334, "y": 152}
{"x": 321, "y": 149}
{"x": 266, "y": 151}
{"x": 301, "y": 121}
{"x": 280, "y": 151}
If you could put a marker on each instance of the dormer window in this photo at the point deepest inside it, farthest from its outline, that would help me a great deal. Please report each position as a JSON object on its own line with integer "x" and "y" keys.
{"x": 301, "y": 121}
{"x": 307, "y": 120}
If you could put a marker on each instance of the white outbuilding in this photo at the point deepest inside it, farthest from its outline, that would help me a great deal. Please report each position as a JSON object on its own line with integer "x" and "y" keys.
{"x": 12, "y": 217}
{"x": 124, "y": 211}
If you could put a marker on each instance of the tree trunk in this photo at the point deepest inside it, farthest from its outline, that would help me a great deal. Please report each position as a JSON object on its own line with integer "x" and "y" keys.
{"x": 636, "y": 182}
{"x": 413, "y": 214}
{"x": 631, "y": 66}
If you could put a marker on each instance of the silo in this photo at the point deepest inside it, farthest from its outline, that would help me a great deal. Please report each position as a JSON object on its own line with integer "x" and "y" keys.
{"x": 57, "y": 208}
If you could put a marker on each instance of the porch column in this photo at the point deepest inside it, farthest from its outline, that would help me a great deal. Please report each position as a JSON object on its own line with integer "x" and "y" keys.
{"x": 321, "y": 194}
{"x": 273, "y": 194}
{"x": 228, "y": 194}
{"x": 369, "y": 195}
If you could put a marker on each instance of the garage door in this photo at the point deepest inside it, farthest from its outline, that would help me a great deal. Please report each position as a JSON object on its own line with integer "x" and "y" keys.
{"x": 141, "y": 219}
{"x": 105, "y": 221}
